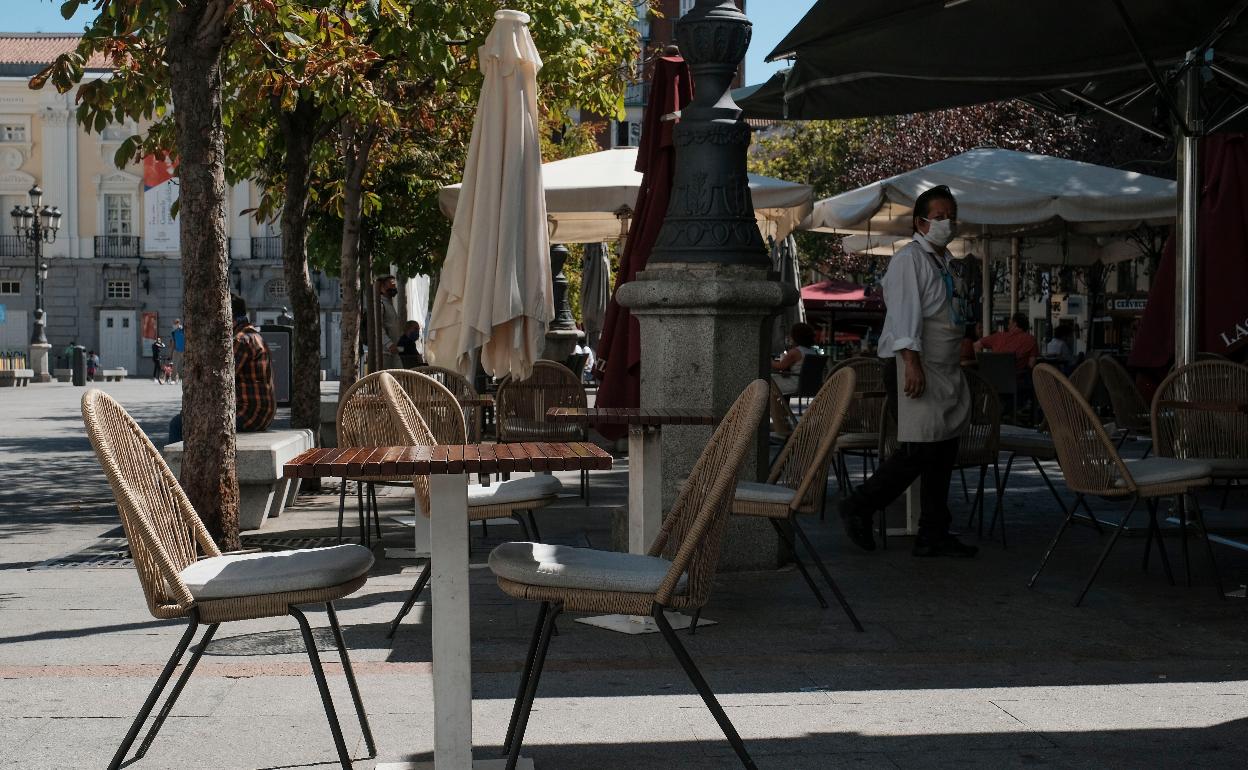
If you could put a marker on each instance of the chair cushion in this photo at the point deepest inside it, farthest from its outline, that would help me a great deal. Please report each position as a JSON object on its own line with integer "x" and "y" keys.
{"x": 754, "y": 492}
{"x": 1165, "y": 470}
{"x": 1025, "y": 441}
{"x": 526, "y": 428}
{"x": 253, "y": 574}
{"x": 562, "y": 566}
{"x": 1226, "y": 467}
{"x": 857, "y": 441}
{"x": 514, "y": 491}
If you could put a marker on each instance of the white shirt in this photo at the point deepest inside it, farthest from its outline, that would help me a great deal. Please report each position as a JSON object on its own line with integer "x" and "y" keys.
{"x": 1059, "y": 349}
{"x": 913, "y": 289}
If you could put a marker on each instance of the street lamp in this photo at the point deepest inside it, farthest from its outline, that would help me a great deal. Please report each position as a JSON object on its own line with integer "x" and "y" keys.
{"x": 37, "y": 224}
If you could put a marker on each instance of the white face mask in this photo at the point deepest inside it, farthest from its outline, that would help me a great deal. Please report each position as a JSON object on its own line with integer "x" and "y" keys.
{"x": 939, "y": 232}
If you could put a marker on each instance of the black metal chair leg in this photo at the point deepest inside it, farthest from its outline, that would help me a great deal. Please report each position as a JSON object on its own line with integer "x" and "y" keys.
{"x": 309, "y": 641}
{"x": 836, "y": 591}
{"x": 1213, "y": 563}
{"x": 359, "y": 507}
{"x": 351, "y": 684}
{"x": 786, "y": 537}
{"x": 157, "y": 688}
{"x": 524, "y": 525}
{"x": 1187, "y": 562}
{"x": 695, "y": 676}
{"x": 377, "y": 516}
{"x": 187, "y": 670}
{"x": 966, "y": 495}
{"x": 693, "y": 621}
{"x": 421, "y": 581}
{"x": 1154, "y": 533}
{"x": 533, "y": 673}
{"x": 1135, "y": 501}
{"x": 533, "y": 526}
{"x": 1148, "y": 540}
{"x": 542, "y": 610}
{"x": 1226, "y": 494}
{"x": 998, "y": 508}
{"x": 1070, "y": 515}
{"x": 342, "y": 507}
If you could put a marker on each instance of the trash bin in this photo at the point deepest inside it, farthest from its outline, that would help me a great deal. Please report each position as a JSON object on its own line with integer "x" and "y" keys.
{"x": 79, "y": 365}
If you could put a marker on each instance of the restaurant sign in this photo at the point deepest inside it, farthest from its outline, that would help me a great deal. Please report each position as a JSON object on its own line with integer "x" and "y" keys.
{"x": 1130, "y": 305}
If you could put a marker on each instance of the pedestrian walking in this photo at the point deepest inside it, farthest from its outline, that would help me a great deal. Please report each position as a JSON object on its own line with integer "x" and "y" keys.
{"x": 158, "y": 366}
{"x": 178, "y": 338}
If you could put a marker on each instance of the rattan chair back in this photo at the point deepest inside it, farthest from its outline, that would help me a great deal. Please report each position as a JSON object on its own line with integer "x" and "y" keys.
{"x": 160, "y": 523}
{"x": 978, "y": 445}
{"x": 864, "y": 413}
{"x": 521, "y": 404}
{"x": 1130, "y": 411}
{"x": 1088, "y": 459}
{"x": 691, "y": 532}
{"x": 782, "y": 420}
{"x": 365, "y": 420}
{"x": 1085, "y": 378}
{"x": 888, "y": 435}
{"x": 803, "y": 463}
{"x": 461, "y": 389}
{"x": 404, "y": 414}
{"x": 1203, "y": 433}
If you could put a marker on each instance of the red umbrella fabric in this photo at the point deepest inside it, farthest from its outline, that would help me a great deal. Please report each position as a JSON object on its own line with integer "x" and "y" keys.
{"x": 619, "y": 350}
{"x": 840, "y": 295}
{"x": 1222, "y": 256}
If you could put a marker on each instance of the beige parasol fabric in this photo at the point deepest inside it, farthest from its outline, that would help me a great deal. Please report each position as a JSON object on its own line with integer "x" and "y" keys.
{"x": 495, "y": 289}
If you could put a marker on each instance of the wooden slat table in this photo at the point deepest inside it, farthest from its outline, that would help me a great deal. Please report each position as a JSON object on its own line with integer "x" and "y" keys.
{"x": 645, "y": 485}
{"x": 448, "y": 468}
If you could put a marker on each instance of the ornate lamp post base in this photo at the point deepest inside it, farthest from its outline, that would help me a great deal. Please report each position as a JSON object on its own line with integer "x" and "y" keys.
{"x": 38, "y": 361}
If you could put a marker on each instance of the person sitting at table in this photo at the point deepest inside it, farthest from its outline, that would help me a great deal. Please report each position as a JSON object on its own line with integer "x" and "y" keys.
{"x": 407, "y": 343}
{"x": 1017, "y": 339}
{"x": 1062, "y": 347}
{"x": 786, "y": 368}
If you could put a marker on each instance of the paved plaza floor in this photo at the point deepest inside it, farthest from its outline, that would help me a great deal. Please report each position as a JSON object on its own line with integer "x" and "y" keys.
{"x": 960, "y": 663}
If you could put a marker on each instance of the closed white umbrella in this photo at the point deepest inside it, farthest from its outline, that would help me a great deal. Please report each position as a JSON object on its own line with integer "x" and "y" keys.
{"x": 595, "y": 291}
{"x": 495, "y": 290}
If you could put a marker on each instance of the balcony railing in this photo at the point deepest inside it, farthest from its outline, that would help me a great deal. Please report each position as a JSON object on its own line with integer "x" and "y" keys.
{"x": 636, "y": 94}
{"x": 268, "y": 247}
{"x": 116, "y": 246}
{"x": 13, "y": 246}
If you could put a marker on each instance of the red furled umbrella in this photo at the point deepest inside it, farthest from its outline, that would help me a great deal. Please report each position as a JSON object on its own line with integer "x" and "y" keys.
{"x": 1222, "y": 256}
{"x": 619, "y": 350}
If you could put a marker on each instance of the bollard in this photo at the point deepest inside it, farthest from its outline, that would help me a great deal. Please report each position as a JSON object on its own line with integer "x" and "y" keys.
{"x": 79, "y": 365}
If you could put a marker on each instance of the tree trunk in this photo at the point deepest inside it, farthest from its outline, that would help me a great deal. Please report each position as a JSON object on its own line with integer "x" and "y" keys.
{"x": 299, "y": 127}
{"x": 356, "y": 149}
{"x": 197, "y": 35}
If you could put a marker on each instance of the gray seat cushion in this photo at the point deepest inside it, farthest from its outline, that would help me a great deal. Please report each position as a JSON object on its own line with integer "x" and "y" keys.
{"x": 514, "y": 491}
{"x": 1026, "y": 441}
{"x": 754, "y": 492}
{"x": 253, "y": 574}
{"x": 1226, "y": 467}
{"x": 857, "y": 442}
{"x": 1165, "y": 470}
{"x": 525, "y": 428}
{"x": 562, "y": 566}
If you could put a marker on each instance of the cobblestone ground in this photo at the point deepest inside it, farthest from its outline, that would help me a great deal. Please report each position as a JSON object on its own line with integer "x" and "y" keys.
{"x": 960, "y": 662}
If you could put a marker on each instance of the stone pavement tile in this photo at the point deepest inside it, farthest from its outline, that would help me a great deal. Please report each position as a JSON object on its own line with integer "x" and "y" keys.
{"x": 103, "y": 696}
{"x": 1113, "y": 713}
{"x": 969, "y": 756}
{"x": 17, "y": 730}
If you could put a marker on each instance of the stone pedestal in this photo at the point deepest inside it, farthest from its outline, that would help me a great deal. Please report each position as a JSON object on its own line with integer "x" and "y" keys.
{"x": 704, "y": 332}
{"x": 561, "y": 343}
{"x": 39, "y": 361}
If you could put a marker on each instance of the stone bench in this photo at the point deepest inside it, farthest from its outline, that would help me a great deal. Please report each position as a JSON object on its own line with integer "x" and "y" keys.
{"x": 113, "y": 375}
{"x": 259, "y": 458}
{"x": 63, "y": 375}
{"x": 15, "y": 378}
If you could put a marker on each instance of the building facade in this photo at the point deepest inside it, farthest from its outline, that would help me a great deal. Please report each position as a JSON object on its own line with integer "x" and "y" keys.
{"x": 114, "y": 271}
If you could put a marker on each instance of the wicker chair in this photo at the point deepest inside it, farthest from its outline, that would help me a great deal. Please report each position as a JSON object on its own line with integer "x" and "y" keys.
{"x": 782, "y": 420}
{"x": 166, "y": 539}
{"x": 677, "y": 573}
{"x": 363, "y": 420}
{"x": 505, "y": 499}
{"x": 860, "y": 433}
{"x": 1130, "y": 410}
{"x": 1038, "y": 445}
{"x": 461, "y": 389}
{"x": 521, "y": 407}
{"x": 1198, "y": 414}
{"x": 1092, "y": 466}
{"x": 977, "y": 448}
{"x": 798, "y": 481}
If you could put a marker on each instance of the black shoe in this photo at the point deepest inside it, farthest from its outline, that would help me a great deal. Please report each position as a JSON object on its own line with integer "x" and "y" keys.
{"x": 857, "y": 526}
{"x": 945, "y": 546}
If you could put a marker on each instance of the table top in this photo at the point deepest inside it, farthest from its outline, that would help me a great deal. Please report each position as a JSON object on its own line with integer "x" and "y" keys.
{"x": 406, "y": 461}
{"x": 605, "y": 416}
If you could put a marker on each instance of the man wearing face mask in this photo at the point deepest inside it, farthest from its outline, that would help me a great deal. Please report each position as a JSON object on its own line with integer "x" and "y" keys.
{"x": 391, "y": 321}
{"x": 929, "y": 400}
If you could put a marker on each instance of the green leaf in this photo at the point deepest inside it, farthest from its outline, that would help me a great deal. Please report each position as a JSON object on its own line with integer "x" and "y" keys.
{"x": 294, "y": 39}
{"x": 69, "y": 8}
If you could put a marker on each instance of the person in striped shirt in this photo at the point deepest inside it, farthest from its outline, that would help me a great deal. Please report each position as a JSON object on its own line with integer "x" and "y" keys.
{"x": 253, "y": 376}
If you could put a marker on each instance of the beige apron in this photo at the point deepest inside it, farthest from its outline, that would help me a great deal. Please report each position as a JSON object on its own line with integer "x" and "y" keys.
{"x": 942, "y": 411}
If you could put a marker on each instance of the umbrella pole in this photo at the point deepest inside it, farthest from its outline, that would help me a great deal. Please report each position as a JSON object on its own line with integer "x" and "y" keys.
{"x": 1185, "y": 269}
{"x": 1013, "y": 277}
{"x": 986, "y": 286}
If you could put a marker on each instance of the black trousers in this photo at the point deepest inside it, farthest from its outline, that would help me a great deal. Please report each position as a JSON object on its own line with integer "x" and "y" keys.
{"x": 930, "y": 462}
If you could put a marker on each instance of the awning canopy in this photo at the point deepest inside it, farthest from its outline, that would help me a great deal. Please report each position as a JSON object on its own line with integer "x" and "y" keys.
{"x": 840, "y": 295}
{"x": 1078, "y": 250}
{"x": 994, "y": 49}
{"x": 1001, "y": 193}
{"x": 585, "y": 195}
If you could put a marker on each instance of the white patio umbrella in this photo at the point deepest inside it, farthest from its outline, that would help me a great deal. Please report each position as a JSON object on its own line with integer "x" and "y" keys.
{"x": 1002, "y": 192}
{"x": 595, "y": 290}
{"x": 1079, "y": 250}
{"x": 495, "y": 292}
{"x": 586, "y": 195}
